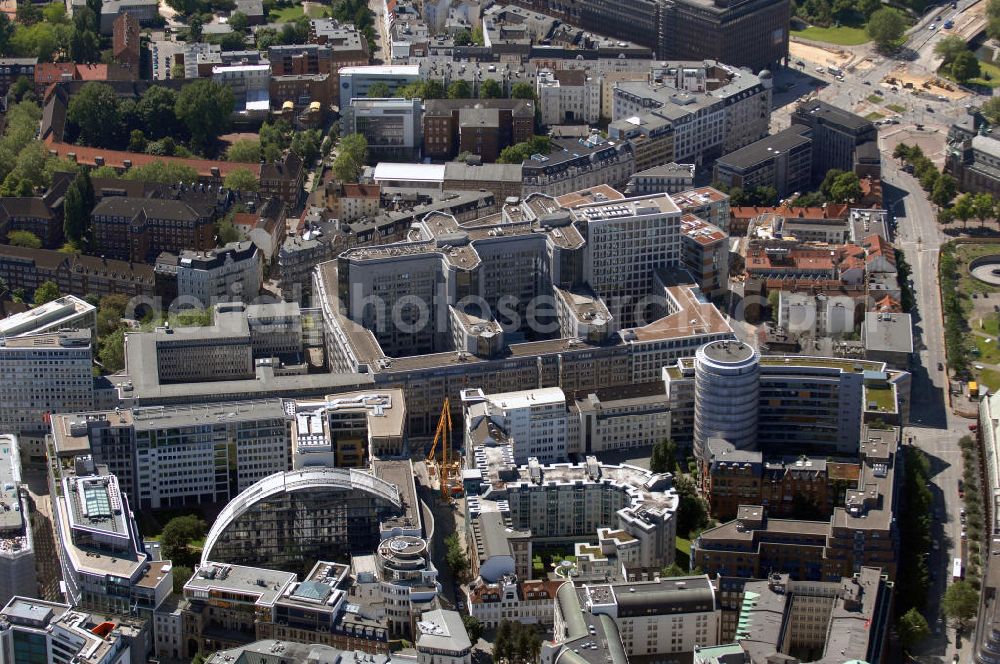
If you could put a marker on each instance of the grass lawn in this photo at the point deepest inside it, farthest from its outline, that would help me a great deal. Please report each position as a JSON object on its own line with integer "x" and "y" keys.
{"x": 987, "y": 68}
{"x": 988, "y": 351}
{"x": 965, "y": 253}
{"x": 842, "y": 36}
{"x": 896, "y": 108}
{"x": 875, "y": 99}
{"x": 882, "y": 398}
{"x": 874, "y": 115}
{"x": 683, "y": 553}
{"x": 990, "y": 325}
{"x": 989, "y": 378}
{"x": 293, "y": 12}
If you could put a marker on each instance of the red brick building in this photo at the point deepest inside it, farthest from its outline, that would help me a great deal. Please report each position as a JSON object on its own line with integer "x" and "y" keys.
{"x": 482, "y": 127}
{"x": 125, "y": 43}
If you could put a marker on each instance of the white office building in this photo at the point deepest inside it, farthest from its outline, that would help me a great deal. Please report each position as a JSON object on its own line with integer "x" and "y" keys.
{"x": 533, "y": 422}
{"x": 41, "y": 374}
{"x": 65, "y": 313}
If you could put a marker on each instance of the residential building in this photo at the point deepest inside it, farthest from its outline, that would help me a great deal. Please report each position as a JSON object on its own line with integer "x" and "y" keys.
{"x": 104, "y": 564}
{"x": 706, "y": 203}
{"x": 528, "y": 602}
{"x": 819, "y": 314}
{"x": 42, "y": 374}
{"x": 144, "y": 11}
{"x": 533, "y": 421}
{"x": 888, "y": 337}
{"x": 138, "y": 230}
{"x": 232, "y": 272}
{"x": 283, "y": 180}
{"x": 392, "y": 127}
{"x": 299, "y": 59}
{"x": 17, "y": 539}
{"x": 125, "y": 43}
{"x": 480, "y": 127}
{"x": 442, "y": 639}
{"x": 41, "y": 215}
{"x": 669, "y": 178}
{"x": 12, "y": 69}
{"x": 65, "y": 313}
{"x": 36, "y": 630}
{"x": 827, "y": 224}
{"x": 861, "y": 533}
{"x": 350, "y": 48}
{"x": 837, "y": 135}
{"x": 782, "y": 161}
{"x": 568, "y": 96}
{"x": 291, "y": 652}
{"x": 267, "y": 226}
{"x": 253, "y": 10}
{"x": 73, "y": 273}
{"x": 349, "y": 202}
{"x": 184, "y": 455}
{"x": 707, "y": 108}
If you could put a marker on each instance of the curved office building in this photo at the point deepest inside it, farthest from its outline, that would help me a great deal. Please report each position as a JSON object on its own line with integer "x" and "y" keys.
{"x": 290, "y": 520}
{"x": 727, "y": 388}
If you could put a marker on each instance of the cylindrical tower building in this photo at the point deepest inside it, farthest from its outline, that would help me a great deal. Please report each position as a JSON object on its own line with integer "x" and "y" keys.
{"x": 726, "y": 389}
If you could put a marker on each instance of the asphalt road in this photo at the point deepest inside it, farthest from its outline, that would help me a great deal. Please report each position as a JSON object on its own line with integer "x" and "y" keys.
{"x": 934, "y": 428}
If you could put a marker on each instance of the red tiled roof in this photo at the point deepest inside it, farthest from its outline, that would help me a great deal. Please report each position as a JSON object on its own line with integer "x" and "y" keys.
{"x": 92, "y": 72}
{"x": 117, "y": 158}
{"x": 50, "y": 72}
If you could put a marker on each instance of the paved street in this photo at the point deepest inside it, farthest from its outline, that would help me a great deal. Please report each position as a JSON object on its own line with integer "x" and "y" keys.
{"x": 934, "y": 428}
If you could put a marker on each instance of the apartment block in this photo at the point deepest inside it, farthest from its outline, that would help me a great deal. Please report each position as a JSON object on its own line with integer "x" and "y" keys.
{"x": 203, "y": 278}
{"x": 140, "y": 229}
{"x": 74, "y": 274}
{"x": 43, "y": 374}
{"x": 12, "y": 69}
{"x": 283, "y": 180}
{"x": 103, "y": 561}
{"x": 528, "y": 602}
{"x": 575, "y": 165}
{"x": 17, "y": 540}
{"x": 185, "y": 455}
{"x": 568, "y": 96}
{"x": 125, "y": 43}
{"x": 782, "y": 161}
{"x": 669, "y": 178}
{"x": 39, "y": 215}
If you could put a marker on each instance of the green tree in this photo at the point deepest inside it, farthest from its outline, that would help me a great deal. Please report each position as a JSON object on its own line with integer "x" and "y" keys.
{"x": 28, "y": 13}
{"x": 455, "y": 557}
{"x": 84, "y": 45}
{"x": 991, "y": 110}
{"x": 182, "y": 574}
{"x": 112, "y": 351}
{"x": 929, "y": 179}
{"x": 204, "y": 106}
{"x": 473, "y": 627}
{"x": 982, "y": 207}
{"x": 74, "y": 215}
{"x": 238, "y": 21}
{"x": 379, "y": 90}
{"x": 25, "y": 239}
{"x": 177, "y": 536}
{"x": 226, "y": 232}
{"x": 950, "y": 47}
{"x": 522, "y": 90}
{"x": 6, "y": 32}
{"x": 826, "y": 186}
{"x": 94, "y": 110}
{"x": 46, "y": 292}
{"x": 886, "y": 27}
{"x": 163, "y": 172}
{"x": 960, "y": 603}
{"x": 245, "y": 150}
{"x": 944, "y": 190}
{"x": 964, "y": 207}
{"x": 673, "y": 570}
{"x": 232, "y": 41}
{"x": 477, "y": 36}
{"x": 459, "y": 89}
{"x": 845, "y": 188}
{"x": 195, "y": 29}
{"x": 352, "y": 155}
{"x": 912, "y": 629}
{"x": 965, "y": 66}
{"x": 266, "y": 38}
{"x": 462, "y": 38}
{"x": 692, "y": 511}
{"x": 241, "y": 179}
{"x": 490, "y": 89}
{"x": 305, "y": 145}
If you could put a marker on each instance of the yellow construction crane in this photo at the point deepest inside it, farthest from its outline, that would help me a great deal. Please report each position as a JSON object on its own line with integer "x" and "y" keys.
{"x": 448, "y": 469}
